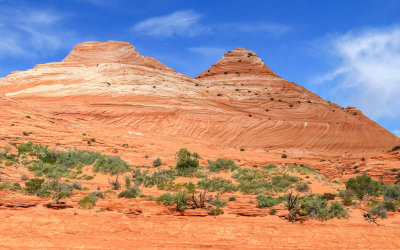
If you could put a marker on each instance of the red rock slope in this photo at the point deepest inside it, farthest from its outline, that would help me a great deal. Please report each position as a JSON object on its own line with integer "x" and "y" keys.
{"x": 109, "y": 88}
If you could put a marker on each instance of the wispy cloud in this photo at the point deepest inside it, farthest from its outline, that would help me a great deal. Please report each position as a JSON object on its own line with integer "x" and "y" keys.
{"x": 30, "y": 32}
{"x": 189, "y": 23}
{"x": 368, "y": 70}
{"x": 397, "y": 132}
{"x": 180, "y": 23}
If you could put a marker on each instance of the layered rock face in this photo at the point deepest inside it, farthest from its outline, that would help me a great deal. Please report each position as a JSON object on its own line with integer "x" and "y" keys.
{"x": 110, "y": 89}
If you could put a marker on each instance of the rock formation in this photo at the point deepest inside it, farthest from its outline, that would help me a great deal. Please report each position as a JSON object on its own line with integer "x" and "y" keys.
{"x": 238, "y": 103}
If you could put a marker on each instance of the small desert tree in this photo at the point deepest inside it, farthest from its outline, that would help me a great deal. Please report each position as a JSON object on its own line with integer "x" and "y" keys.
{"x": 186, "y": 160}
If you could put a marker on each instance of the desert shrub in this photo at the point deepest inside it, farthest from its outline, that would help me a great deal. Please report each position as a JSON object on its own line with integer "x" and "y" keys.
{"x": 216, "y": 211}
{"x": 127, "y": 182}
{"x": 34, "y": 185}
{"x": 97, "y": 194}
{"x": 196, "y": 155}
{"x": 5, "y": 185}
{"x": 114, "y": 183}
{"x": 185, "y": 160}
{"x": 132, "y": 192}
{"x": 242, "y": 149}
{"x": 221, "y": 165}
{"x": 56, "y": 190}
{"x": 232, "y": 198}
{"x": 314, "y": 207}
{"x": 284, "y": 156}
{"x": 348, "y": 197}
{"x": 270, "y": 167}
{"x": 378, "y": 210}
{"x": 336, "y": 180}
{"x": 247, "y": 174}
{"x": 218, "y": 202}
{"x": 392, "y": 193}
{"x": 24, "y": 177}
{"x": 272, "y": 211}
{"x": 157, "y": 162}
{"x": 217, "y": 184}
{"x": 110, "y": 164}
{"x": 88, "y": 202}
{"x": 363, "y": 185}
{"x": 336, "y": 210}
{"x": 181, "y": 200}
{"x": 166, "y": 199}
{"x": 328, "y": 196}
{"x": 283, "y": 182}
{"x": 394, "y": 170}
{"x": 390, "y": 205}
{"x": 77, "y": 185}
{"x": 395, "y": 148}
{"x": 16, "y": 187}
{"x": 303, "y": 187}
{"x": 267, "y": 201}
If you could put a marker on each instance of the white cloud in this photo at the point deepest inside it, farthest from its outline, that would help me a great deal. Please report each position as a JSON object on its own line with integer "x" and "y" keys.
{"x": 397, "y": 132}
{"x": 30, "y": 32}
{"x": 368, "y": 71}
{"x": 188, "y": 23}
{"x": 181, "y": 23}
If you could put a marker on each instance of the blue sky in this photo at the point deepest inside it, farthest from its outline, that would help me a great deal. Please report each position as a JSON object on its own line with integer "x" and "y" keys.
{"x": 347, "y": 52}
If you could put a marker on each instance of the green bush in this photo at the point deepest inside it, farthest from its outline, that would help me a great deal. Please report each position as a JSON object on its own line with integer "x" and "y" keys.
{"x": 216, "y": 211}
{"x": 392, "y": 193}
{"x": 232, "y": 198}
{"x": 181, "y": 200}
{"x": 336, "y": 210}
{"x": 363, "y": 185}
{"x": 221, "y": 165}
{"x": 88, "y": 202}
{"x": 109, "y": 164}
{"x": 56, "y": 190}
{"x": 97, "y": 194}
{"x": 77, "y": 185}
{"x": 328, "y": 196}
{"x": 34, "y": 185}
{"x": 348, "y": 197}
{"x": 395, "y": 148}
{"x": 166, "y": 199}
{"x": 185, "y": 160}
{"x": 267, "y": 201}
{"x": 390, "y": 205}
{"x": 303, "y": 187}
{"x": 217, "y": 184}
{"x": 157, "y": 162}
{"x": 218, "y": 202}
{"x": 379, "y": 210}
{"x": 284, "y": 156}
{"x": 24, "y": 177}
{"x": 314, "y": 207}
{"x": 132, "y": 192}
{"x": 272, "y": 211}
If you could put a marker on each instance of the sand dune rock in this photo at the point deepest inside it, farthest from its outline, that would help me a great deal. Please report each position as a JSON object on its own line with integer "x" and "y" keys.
{"x": 239, "y": 61}
{"x": 91, "y": 53}
{"x": 110, "y": 89}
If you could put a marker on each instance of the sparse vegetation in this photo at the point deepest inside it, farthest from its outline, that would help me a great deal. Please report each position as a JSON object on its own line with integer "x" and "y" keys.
{"x": 157, "y": 162}
{"x": 221, "y": 165}
{"x": 88, "y": 202}
{"x": 130, "y": 193}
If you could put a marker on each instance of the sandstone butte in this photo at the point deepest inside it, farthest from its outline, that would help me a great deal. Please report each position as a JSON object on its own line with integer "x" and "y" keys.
{"x": 135, "y": 106}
